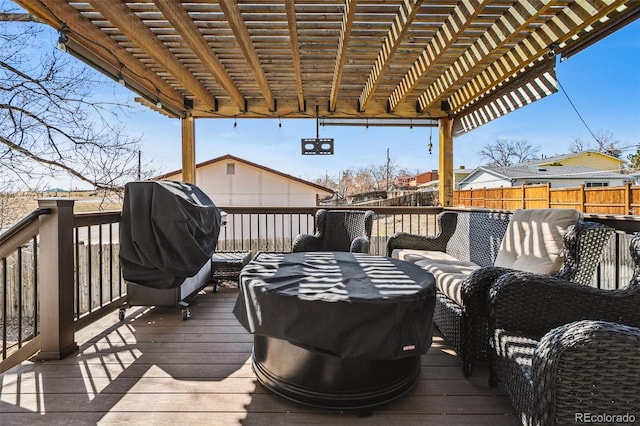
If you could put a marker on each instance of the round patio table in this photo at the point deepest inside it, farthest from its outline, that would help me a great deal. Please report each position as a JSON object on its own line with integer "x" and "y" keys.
{"x": 336, "y": 330}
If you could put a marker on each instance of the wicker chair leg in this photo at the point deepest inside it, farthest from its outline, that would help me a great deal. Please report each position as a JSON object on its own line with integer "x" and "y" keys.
{"x": 467, "y": 368}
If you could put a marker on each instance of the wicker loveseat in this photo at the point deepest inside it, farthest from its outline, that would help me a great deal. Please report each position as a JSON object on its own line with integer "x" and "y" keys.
{"x": 463, "y": 255}
{"x": 564, "y": 351}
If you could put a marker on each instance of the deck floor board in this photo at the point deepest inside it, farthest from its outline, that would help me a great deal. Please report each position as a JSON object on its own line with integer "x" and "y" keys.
{"x": 155, "y": 368}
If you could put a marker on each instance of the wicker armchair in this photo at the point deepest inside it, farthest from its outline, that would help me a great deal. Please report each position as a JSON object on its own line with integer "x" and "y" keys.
{"x": 338, "y": 230}
{"x": 563, "y": 350}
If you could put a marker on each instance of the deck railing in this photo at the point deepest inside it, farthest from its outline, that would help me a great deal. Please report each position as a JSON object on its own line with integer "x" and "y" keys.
{"x": 71, "y": 262}
{"x": 273, "y": 229}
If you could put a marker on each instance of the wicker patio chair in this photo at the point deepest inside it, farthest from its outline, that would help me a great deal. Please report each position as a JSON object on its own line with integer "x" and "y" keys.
{"x": 563, "y": 350}
{"x": 338, "y": 230}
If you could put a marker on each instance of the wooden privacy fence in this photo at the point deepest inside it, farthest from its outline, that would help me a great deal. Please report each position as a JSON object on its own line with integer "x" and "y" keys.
{"x": 620, "y": 200}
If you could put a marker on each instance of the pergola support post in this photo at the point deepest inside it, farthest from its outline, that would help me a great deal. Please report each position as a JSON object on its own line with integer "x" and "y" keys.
{"x": 188, "y": 149}
{"x": 445, "y": 126}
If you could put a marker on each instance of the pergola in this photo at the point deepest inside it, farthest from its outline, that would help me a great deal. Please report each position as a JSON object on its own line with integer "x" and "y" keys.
{"x": 455, "y": 64}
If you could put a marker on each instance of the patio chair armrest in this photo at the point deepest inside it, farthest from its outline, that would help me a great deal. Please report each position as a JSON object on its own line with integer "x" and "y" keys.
{"x": 593, "y": 364}
{"x": 584, "y": 243}
{"x": 475, "y": 289}
{"x": 535, "y": 304}
{"x": 360, "y": 245}
{"x": 306, "y": 242}
{"x": 446, "y": 225}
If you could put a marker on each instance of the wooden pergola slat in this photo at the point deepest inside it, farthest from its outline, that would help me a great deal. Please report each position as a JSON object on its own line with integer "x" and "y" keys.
{"x": 180, "y": 19}
{"x": 508, "y": 27}
{"x": 454, "y": 26}
{"x": 119, "y": 14}
{"x": 341, "y": 53}
{"x": 525, "y": 53}
{"x": 398, "y": 30}
{"x": 239, "y": 28}
{"x": 295, "y": 51}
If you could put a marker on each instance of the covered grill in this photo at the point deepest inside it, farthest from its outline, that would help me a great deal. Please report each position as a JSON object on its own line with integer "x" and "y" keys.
{"x": 168, "y": 232}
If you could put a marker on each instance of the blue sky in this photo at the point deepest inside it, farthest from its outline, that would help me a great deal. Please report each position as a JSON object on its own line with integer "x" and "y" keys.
{"x": 602, "y": 81}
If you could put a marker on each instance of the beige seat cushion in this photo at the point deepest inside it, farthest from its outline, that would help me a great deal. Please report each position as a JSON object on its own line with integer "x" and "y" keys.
{"x": 449, "y": 275}
{"x": 413, "y": 256}
{"x": 533, "y": 241}
{"x": 447, "y": 266}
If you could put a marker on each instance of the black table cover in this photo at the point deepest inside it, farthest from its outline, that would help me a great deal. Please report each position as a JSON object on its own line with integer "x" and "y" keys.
{"x": 347, "y": 304}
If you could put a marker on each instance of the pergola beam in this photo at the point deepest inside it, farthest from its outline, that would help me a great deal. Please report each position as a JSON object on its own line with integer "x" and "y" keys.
{"x": 119, "y": 14}
{"x": 180, "y": 19}
{"x": 400, "y": 26}
{"x": 341, "y": 54}
{"x": 295, "y": 50}
{"x": 516, "y": 19}
{"x": 452, "y": 29}
{"x": 532, "y": 48}
{"x": 110, "y": 51}
{"x": 236, "y": 22}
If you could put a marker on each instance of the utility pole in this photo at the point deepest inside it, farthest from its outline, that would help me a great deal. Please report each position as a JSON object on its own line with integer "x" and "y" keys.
{"x": 388, "y": 161}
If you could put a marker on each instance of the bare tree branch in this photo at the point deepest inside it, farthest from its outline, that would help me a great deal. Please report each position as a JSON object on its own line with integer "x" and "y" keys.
{"x": 509, "y": 152}
{"x": 50, "y": 120}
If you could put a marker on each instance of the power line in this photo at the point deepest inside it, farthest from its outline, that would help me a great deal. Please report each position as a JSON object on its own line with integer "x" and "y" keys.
{"x": 576, "y": 110}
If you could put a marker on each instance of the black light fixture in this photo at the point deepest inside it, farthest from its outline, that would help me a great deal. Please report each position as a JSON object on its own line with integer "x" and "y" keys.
{"x": 62, "y": 41}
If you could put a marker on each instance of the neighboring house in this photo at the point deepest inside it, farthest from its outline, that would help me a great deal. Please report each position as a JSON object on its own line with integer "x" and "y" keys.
{"x": 594, "y": 159}
{"x": 556, "y": 176}
{"x": 424, "y": 178}
{"x": 233, "y": 182}
{"x": 403, "y": 181}
{"x": 458, "y": 175}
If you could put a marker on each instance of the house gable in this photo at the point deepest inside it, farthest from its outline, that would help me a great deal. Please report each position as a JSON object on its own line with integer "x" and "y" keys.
{"x": 593, "y": 159}
{"x": 232, "y": 181}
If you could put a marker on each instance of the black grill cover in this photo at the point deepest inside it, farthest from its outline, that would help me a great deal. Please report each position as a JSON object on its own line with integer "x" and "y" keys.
{"x": 168, "y": 231}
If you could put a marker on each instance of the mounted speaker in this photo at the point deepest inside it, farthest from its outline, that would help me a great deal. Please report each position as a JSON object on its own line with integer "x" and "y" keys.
{"x": 317, "y": 146}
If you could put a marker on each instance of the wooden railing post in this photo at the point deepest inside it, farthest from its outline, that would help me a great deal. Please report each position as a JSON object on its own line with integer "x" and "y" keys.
{"x": 57, "y": 334}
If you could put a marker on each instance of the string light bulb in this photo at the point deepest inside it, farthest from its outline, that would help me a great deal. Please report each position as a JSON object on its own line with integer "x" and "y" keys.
{"x": 279, "y": 123}
{"x": 235, "y": 122}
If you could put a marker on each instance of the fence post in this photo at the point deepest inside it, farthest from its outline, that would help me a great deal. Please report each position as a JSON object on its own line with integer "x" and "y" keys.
{"x": 583, "y": 199}
{"x": 57, "y": 328}
{"x": 523, "y": 196}
{"x": 548, "y": 195}
{"x": 627, "y": 198}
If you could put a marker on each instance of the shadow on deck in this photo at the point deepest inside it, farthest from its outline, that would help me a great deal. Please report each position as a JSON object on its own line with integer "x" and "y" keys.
{"x": 155, "y": 368}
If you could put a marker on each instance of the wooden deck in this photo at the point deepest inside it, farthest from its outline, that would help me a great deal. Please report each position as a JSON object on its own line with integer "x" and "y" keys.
{"x": 155, "y": 368}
